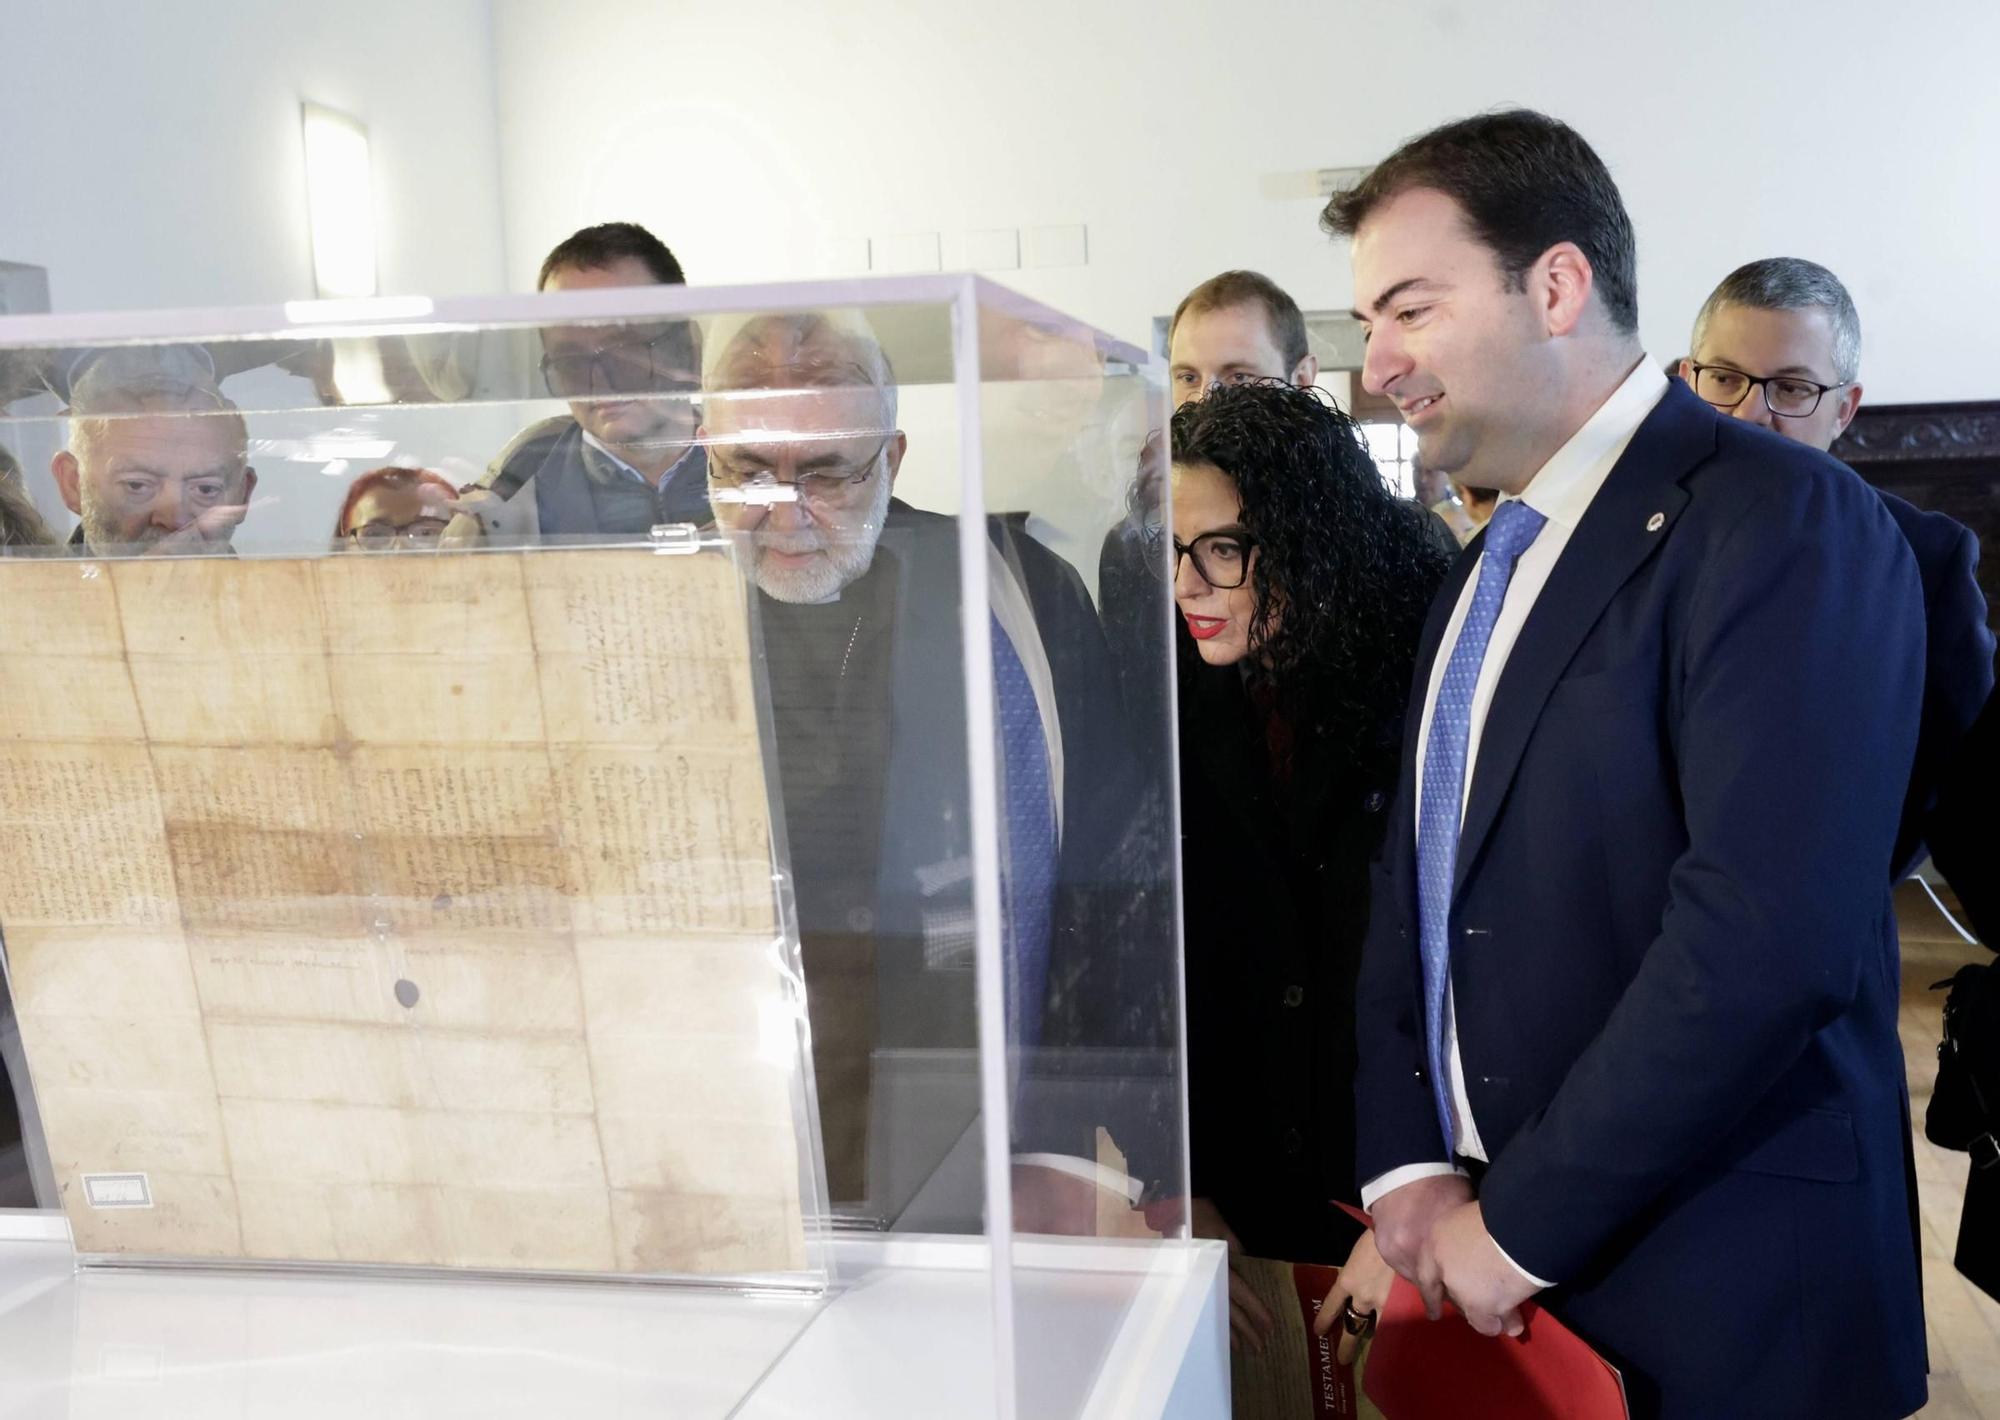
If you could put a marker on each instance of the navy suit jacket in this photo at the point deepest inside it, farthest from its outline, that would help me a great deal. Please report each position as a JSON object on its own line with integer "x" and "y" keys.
{"x": 1673, "y": 957}
{"x": 1958, "y": 659}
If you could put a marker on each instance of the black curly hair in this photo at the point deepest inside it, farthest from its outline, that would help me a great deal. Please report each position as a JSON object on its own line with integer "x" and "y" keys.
{"x": 1345, "y": 570}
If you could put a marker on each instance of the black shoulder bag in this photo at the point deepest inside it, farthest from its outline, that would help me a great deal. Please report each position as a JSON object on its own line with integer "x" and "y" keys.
{"x": 1964, "y": 1113}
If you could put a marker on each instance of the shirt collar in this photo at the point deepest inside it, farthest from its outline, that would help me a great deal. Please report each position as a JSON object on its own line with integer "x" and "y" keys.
{"x": 1562, "y": 490}
{"x": 625, "y": 468}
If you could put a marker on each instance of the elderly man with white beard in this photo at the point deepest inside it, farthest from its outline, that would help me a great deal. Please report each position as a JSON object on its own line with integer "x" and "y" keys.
{"x": 859, "y": 607}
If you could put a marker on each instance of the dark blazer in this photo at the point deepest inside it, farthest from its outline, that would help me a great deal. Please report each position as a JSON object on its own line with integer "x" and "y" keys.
{"x": 1965, "y": 846}
{"x": 1274, "y": 885}
{"x": 1964, "y": 831}
{"x": 1958, "y": 659}
{"x": 882, "y": 875}
{"x": 1674, "y": 961}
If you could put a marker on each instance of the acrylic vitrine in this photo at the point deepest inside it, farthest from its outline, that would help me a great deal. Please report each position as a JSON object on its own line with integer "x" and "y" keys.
{"x": 660, "y": 784}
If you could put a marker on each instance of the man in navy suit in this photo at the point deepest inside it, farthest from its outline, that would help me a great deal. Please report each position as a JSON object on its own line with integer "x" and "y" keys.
{"x": 1778, "y": 343}
{"x": 1627, "y": 1012}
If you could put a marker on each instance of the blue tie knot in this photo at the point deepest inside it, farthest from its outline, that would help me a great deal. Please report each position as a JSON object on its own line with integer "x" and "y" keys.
{"x": 1513, "y": 527}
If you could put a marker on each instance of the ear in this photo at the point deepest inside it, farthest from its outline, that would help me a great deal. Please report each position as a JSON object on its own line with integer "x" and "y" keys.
{"x": 249, "y": 483}
{"x": 1561, "y": 282}
{"x": 1687, "y": 371}
{"x": 69, "y": 479}
{"x": 1306, "y": 372}
{"x": 1850, "y": 405}
{"x": 895, "y": 450}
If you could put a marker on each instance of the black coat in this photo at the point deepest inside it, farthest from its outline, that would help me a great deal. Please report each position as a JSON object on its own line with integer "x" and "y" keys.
{"x": 1964, "y": 834}
{"x": 1958, "y": 660}
{"x": 1275, "y": 904}
{"x": 1965, "y": 846}
{"x": 869, "y": 699}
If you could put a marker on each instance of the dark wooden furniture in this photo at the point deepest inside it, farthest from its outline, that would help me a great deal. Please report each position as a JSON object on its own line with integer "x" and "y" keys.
{"x": 1942, "y": 456}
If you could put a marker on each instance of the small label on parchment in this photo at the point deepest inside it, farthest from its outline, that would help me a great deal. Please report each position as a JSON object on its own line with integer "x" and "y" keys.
{"x": 117, "y": 1190}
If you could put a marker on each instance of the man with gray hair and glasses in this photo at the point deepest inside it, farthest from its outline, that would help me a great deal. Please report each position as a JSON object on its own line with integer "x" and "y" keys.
{"x": 157, "y": 462}
{"x": 860, "y": 615}
{"x": 1778, "y": 344}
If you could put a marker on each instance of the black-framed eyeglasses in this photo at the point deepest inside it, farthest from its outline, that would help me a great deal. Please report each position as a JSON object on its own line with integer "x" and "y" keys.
{"x": 656, "y": 366}
{"x": 1221, "y": 558}
{"x": 828, "y": 482}
{"x": 424, "y": 532}
{"x": 1785, "y": 395}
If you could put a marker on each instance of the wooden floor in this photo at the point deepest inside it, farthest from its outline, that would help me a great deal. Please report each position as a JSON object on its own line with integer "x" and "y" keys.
{"x": 1964, "y": 1322}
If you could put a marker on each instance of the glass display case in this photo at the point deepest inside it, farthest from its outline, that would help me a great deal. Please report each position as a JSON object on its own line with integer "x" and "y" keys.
{"x": 659, "y": 784}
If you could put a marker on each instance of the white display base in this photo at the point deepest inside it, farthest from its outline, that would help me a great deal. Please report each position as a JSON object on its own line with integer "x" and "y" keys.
{"x": 1112, "y": 1332}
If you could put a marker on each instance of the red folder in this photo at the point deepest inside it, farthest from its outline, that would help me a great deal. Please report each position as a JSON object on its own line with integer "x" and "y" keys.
{"x": 1418, "y": 1368}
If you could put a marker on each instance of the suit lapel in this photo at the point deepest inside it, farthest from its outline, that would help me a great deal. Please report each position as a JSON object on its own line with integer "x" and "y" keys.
{"x": 1617, "y": 535}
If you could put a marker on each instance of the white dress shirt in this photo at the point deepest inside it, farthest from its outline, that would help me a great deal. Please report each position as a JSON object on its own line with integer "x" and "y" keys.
{"x": 1561, "y": 491}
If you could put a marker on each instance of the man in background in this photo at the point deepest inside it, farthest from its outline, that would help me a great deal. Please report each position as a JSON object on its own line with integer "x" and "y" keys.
{"x": 624, "y": 459}
{"x": 1233, "y": 328}
{"x": 1778, "y": 344}
{"x": 860, "y": 615}
{"x": 156, "y": 464}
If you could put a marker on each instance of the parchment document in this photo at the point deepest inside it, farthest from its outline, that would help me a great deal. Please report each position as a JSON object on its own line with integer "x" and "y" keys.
{"x": 401, "y": 909}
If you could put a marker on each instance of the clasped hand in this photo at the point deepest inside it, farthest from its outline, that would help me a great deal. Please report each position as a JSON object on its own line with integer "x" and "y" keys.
{"x": 1432, "y": 1232}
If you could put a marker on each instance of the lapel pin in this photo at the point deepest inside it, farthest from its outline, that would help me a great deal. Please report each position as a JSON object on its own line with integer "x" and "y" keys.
{"x": 1656, "y": 522}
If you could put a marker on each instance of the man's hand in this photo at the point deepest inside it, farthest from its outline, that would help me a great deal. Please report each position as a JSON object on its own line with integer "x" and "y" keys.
{"x": 1404, "y": 1218}
{"x": 473, "y": 513}
{"x": 1250, "y": 1321}
{"x": 1486, "y": 1286}
{"x": 209, "y": 531}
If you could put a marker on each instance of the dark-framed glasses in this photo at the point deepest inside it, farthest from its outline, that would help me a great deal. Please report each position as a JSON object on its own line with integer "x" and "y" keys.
{"x": 1786, "y": 395}
{"x": 424, "y": 532}
{"x": 825, "y": 479}
{"x": 1222, "y": 558}
{"x": 656, "y": 366}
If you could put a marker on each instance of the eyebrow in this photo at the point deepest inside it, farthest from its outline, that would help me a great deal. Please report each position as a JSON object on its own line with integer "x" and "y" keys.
{"x": 120, "y": 469}
{"x": 1806, "y": 372}
{"x": 1400, "y": 288}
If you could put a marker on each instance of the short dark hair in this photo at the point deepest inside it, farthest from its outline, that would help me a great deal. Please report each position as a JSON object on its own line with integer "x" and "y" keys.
{"x": 1250, "y": 288}
{"x": 595, "y": 248}
{"x": 1525, "y": 182}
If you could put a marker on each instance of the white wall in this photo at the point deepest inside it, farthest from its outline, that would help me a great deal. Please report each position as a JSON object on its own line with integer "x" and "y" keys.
{"x": 153, "y": 157}
{"x": 764, "y": 139}
{"x": 152, "y": 152}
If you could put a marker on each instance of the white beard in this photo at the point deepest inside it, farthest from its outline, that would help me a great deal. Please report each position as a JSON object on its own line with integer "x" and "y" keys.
{"x": 843, "y": 556}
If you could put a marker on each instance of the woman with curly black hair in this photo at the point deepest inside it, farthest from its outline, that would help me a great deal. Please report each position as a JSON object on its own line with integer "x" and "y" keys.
{"x": 1303, "y": 582}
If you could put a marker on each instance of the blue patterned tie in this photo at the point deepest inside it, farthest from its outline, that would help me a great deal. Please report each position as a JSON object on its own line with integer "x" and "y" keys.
{"x": 1514, "y": 526}
{"x": 1028, "y": 877}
